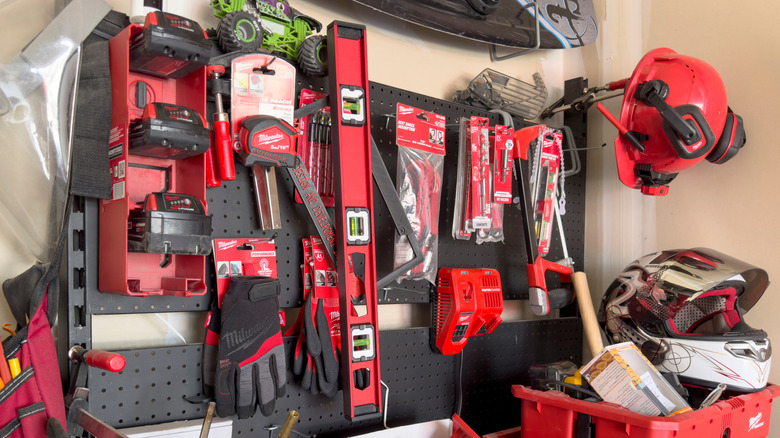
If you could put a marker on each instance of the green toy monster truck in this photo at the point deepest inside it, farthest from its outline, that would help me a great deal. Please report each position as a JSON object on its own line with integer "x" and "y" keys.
{"x": 273, "y": 25}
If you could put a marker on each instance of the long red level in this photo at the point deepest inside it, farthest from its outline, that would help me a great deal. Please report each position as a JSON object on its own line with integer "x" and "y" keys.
{"x": 354, "y": 220}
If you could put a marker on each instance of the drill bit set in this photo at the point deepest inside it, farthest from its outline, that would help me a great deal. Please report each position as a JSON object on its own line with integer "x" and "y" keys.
{"x": 483, "y": 173}
{"x": 315, "y": 148}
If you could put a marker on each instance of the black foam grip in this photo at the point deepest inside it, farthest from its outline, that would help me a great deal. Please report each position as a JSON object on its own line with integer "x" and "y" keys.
{"x": 731, "y": 140}
{"x": 560, "y": 298}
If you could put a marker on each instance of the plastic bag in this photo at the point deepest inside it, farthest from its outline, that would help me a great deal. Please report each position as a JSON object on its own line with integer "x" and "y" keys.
{"x": 420, "y": 137}
{"x": 496, "y": 231}
{"x": 37, "y": 97}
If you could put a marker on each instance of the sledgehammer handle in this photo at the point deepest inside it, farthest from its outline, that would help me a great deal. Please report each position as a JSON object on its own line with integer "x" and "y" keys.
{"x": 589, "y": 323}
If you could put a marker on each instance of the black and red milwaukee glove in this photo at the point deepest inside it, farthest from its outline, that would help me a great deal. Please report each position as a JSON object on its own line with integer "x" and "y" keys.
{"x": 317, "y": 357}
{"x": 251, "y": 367}
{"x": 315, "y": 361}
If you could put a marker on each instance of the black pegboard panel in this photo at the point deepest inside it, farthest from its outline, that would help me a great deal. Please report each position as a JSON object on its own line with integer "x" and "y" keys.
{"x": 232, "y": 208}
{"x": 150, "y": 389}
{"x": 421, "y": 383}
{"x": 81, "y": 280}
{"x": 509, "y": 256}
{"x": 493, "y": 363}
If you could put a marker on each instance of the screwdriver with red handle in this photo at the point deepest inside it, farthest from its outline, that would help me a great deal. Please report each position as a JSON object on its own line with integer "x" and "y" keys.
{"x": 222, "y": 140}
{"x": 212, "y": 174}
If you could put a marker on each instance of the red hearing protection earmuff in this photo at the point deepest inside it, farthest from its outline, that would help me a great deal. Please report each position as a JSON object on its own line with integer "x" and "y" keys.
{"x": 674, "y": 115}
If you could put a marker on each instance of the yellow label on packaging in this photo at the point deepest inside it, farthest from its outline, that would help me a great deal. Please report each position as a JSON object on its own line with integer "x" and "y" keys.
{"x": 598, "y": 367}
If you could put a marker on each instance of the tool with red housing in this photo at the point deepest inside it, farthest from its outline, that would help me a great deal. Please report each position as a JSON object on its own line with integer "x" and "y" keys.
{"x": 135, "y": 176}
{"x": 263, "y": 84}
{"x": 468, "y": 302}
{"x": 168, "y": 131}
{"x": 170, "y": 223}
{"x": 542, "y": 299}
{"x": 224, "y": 149}
{"x": 169, "y": 46}
{"x": 352, "y": 152}
{"x": 268, "y": 141}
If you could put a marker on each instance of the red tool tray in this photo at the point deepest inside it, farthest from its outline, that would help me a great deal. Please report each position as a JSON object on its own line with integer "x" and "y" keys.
{"x": 134, "y": 176}
{"x": 553, "y": 414}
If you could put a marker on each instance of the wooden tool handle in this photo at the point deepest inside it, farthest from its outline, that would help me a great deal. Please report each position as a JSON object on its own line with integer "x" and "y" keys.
{"x": 590, "y": 324}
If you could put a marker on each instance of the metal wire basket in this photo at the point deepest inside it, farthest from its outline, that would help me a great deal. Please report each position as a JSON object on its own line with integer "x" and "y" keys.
{"x": 496, "y": 90}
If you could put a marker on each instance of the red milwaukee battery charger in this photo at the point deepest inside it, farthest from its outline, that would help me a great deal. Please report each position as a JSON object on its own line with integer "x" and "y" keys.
{"x": 467, "y": 302}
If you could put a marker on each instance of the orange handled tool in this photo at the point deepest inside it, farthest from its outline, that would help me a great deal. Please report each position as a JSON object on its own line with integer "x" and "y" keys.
{"x": 5, "y": 372}
{"x": 222, "y": 138}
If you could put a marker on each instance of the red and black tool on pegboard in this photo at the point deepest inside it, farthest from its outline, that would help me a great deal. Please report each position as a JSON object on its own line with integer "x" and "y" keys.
{"x": 542, "y": 299}
{"x": 169, "y": 46}
{"x": 269, "y": 141}
{"x": 157, "y": 143}
{"x": 352, "y": 150}
{"x": 467, "y": 302}
{"x": 168, "y": 131}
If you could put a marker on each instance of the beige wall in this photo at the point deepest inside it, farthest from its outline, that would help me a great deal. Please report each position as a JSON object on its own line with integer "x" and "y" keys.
{"x": 732, "y": 208}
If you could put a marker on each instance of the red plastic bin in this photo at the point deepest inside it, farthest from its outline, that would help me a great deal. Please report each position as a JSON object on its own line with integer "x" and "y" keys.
{"x": 553, "y": 414}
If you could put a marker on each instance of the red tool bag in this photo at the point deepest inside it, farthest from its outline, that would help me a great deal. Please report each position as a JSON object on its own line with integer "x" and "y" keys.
{"x": 33, "y": 398}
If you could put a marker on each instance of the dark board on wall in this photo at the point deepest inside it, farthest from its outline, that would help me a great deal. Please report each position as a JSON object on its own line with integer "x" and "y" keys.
{"x": 422, "y": 385}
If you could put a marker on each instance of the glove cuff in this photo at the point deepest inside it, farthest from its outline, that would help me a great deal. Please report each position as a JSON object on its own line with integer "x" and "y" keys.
{"x": 254, "y": 288}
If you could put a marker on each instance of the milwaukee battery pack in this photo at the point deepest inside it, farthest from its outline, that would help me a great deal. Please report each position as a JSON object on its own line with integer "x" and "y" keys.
{"x": 169, "y": 131}
{"x": 169, "y": 223}
{"x": 169, "y": 46}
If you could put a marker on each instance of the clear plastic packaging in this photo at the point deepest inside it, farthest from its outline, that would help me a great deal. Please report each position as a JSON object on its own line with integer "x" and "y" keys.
{"x": 460, "y": 213}
{"x": 37, "y": 98}
{"x": 544, "y": 179}
{"x": 475, "y": 210}
{"x": 420, "y": 137}
{"x": 496, "y": 231}
{"x": 419, "y": 174}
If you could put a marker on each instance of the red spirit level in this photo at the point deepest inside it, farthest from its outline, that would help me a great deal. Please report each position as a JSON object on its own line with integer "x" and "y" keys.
{"x": 468, "y": 303}
{"x": 348, "y": 84}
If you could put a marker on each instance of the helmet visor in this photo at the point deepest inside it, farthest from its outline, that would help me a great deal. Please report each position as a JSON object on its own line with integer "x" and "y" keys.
{"x": 682, "y": 280}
